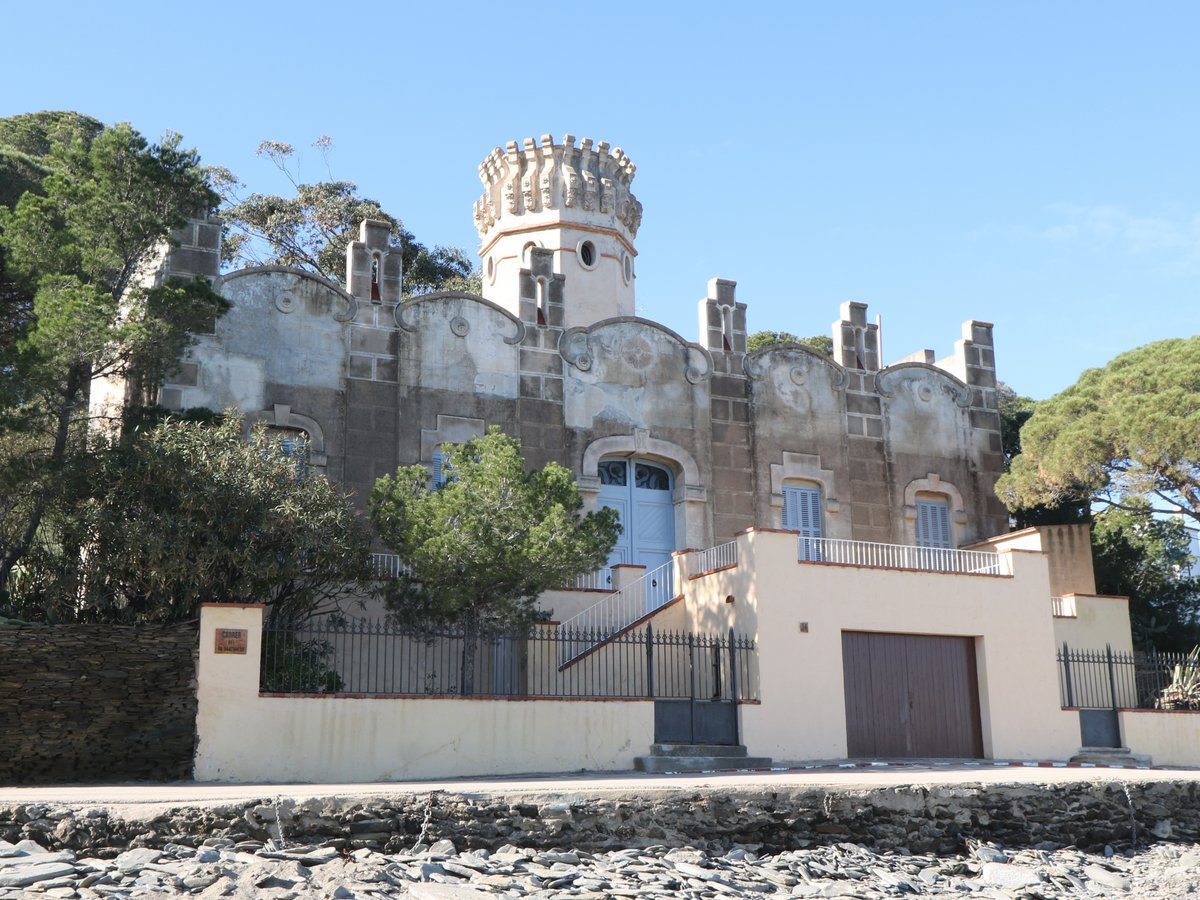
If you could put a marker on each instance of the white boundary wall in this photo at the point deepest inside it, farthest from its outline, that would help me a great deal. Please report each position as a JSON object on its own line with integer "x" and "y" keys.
{"x": 245, "y": 737}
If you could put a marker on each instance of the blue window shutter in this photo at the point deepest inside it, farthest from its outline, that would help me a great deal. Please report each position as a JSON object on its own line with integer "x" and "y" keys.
{"x": 802, "y": 513}
{"x": 802, "y": 510}
{"x": 933, "y": 524}
{"x": 791, "y": 513}
{"x": 439, "y": 471}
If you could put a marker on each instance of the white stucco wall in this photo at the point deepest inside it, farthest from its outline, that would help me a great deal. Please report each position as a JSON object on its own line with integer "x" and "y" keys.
{"x": 802, "y": 713}
{"x": 1099, "y": 621}
{"x": 243, "y": 736}
{"x": 1169, "y": 738}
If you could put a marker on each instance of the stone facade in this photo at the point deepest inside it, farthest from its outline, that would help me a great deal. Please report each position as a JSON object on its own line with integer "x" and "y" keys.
{"x": 97, "y": 703}
{"x": 553, "y": 355}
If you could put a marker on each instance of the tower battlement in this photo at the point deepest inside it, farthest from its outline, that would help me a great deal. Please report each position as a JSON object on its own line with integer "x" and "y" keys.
{"x": 557, "y": 182}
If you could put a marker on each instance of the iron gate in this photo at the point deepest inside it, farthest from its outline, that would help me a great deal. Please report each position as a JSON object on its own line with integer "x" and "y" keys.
{"x": 697, "y": 692}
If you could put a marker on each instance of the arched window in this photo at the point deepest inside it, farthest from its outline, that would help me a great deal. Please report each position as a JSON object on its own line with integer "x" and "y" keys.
{"x": 641, "y": 493}
{"x": 292, "y": 443}
{"x": 375, "y": 277}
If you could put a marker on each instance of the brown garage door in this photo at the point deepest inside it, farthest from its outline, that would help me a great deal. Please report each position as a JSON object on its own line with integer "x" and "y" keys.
{"x": 911, "y": 695}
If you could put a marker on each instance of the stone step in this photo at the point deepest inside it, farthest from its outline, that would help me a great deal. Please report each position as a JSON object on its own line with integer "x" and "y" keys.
{"x": 697, "y": 750}
{"x": 699, "y": 763}
{"x": 1111, "y": 756}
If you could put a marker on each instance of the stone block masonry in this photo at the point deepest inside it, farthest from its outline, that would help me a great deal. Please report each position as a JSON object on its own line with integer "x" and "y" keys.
{"x": 97, "y": 703}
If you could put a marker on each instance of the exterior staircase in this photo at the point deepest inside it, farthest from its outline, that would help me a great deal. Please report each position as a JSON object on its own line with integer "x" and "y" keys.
{"x": 1111, "y": 756}
{"x": 698, "y": 758}
{"x": 615, "y": 614}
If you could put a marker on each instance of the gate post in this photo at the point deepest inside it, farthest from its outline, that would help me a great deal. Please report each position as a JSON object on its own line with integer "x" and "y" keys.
{"x": 692, "y": 681}
{"x": 1066, "y": 655}
{"x": 649, "y": 660}
{"x": 733, "y": 688}
{"x": 1112, "y": 686}
{"x": 1112, "y": 676}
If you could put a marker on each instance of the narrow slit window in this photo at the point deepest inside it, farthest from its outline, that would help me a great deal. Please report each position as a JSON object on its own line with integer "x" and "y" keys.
{"x": 542, "y": 301}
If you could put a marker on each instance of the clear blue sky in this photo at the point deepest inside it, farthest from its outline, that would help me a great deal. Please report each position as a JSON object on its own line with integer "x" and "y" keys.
{"x": 1031, "y": 164}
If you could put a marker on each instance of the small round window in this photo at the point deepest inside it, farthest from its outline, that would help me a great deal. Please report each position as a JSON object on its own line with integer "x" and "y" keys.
{"x": 587, "y": 254}
{"x": 491, "y": 269}
{"x": 627, "y": 268}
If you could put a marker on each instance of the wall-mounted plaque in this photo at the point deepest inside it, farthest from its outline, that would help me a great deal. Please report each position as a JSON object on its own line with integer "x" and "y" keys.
{"x": 232, "y": 640}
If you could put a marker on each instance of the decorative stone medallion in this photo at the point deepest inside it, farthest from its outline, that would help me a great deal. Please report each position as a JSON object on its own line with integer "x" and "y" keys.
{"x": 637, "y": 353}
{"x": 460, "y": 326}
{"x": 285, "y": 302}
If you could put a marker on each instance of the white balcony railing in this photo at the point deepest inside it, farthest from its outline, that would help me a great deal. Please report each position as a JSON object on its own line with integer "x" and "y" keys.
{"x": 719, "y": 557}
{"x": 600, "y": 580}
{"x": 387, "y": 565}
{"x": 901, "y": 556}
{"x": 1063, "y": 607}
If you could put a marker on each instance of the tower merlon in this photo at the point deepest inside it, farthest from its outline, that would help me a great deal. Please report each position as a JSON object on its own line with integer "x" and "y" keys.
{"x": 722, "y": 318}
{"x": 855, "y": 340}
{"x": 374, "y": 268}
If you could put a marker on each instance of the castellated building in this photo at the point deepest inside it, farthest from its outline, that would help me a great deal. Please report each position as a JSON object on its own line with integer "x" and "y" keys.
{"x": 692, "y": 440}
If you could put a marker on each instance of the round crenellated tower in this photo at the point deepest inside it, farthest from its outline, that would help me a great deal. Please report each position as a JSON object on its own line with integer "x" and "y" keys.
{"x": 557, "y": 224}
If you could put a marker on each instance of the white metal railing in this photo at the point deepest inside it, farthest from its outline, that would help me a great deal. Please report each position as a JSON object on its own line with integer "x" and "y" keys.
{"x": 718, "y": 557}
{"x": 902, "y": 556}
{"x": 1063, "y": 607}
{"x": 600, "y": 580}
{"x": 387, "y": 565}
{"x": 618, "y": 610}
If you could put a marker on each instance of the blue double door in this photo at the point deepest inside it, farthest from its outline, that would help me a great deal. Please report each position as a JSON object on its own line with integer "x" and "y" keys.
{"x": 641, "y": 493}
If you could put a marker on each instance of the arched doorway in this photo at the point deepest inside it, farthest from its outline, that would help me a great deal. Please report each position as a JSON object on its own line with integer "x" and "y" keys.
{"x": 641, "y": 492}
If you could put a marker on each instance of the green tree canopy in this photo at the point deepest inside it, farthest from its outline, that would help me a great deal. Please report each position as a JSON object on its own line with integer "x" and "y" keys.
{"x": 760, "y": 339}
{"x": 185, "y": 513}
{"x": 311, "y": 230}
{"x": 1015, "y": 411}
{"x": 30, "y": 142}
{"x": 480, "y": 548}
{"x": 81, "y": 247}
{"x": 30, "y": 146}
{"x": 1146, "y": 559}
{"x": 1126, "y": 436}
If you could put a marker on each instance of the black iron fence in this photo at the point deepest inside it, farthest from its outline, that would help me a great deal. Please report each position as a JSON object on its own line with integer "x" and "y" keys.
{"x": 1106, "y": 679}
{"x": 378, "y": 658}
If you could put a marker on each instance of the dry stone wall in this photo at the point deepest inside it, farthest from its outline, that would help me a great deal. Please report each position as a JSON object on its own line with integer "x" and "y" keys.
{"x": 917, "y": 818}
{"x": 97, "y": 703}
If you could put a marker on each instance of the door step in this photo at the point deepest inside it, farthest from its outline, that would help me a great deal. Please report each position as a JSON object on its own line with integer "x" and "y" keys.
{"x": 1111, "y": 756}
{"x": 698, "y": 758}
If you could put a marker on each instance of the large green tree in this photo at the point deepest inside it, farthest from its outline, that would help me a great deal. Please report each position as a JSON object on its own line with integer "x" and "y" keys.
{"x": 480, "y": 548}
{"x": 1015, "y": 411}
{"x": 188, "y": 512}
{"x": 1124, "y": 436}
{"x": 81, "y": 247}
{"x": 31, "y": 144}
{"x": 1146, "y": 559}
{"x": 312, "y": 229}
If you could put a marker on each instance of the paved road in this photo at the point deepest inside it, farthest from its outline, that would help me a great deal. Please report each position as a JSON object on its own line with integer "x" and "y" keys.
{"x": 141, "y": 798}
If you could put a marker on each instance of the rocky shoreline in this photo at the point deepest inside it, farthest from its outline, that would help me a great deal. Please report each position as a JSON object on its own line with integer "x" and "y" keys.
{"x": 219, "y": 867}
